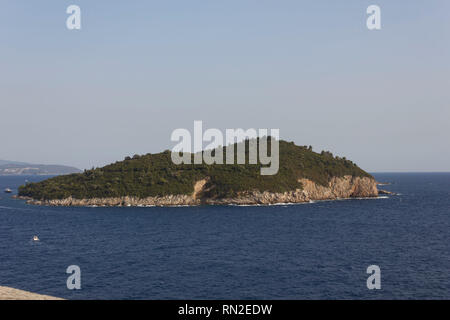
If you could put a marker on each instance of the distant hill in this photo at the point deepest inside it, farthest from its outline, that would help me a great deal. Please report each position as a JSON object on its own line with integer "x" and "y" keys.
{"x": 3, "y": 162}
{"x": 155, "y": 175}
{"x": 8, "y": 168}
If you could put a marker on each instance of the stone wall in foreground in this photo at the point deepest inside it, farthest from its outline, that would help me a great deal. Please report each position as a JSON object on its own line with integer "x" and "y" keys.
{"x": 7, "y": 293}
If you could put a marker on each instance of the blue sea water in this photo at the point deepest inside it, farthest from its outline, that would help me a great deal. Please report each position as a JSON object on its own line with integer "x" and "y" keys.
{"x": 308, "y": 251}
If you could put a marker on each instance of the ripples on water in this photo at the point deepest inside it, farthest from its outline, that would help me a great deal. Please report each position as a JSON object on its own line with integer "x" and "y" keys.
{"x": 311, "y": 251}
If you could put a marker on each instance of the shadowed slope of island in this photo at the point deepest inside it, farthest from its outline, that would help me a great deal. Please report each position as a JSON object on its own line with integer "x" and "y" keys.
{"x": 15, "y": 294}
{"x": 154, "y": 180}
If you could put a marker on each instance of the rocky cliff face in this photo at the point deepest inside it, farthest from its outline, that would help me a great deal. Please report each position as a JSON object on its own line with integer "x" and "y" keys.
{"x": 338, "y": 187}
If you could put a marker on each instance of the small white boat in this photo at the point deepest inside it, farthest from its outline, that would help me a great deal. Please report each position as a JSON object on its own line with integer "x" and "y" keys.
{"x": 35, "y": 238}
{"x": 8, "y": 190}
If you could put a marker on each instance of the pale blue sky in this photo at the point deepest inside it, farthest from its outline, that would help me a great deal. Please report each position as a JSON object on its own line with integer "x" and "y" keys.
{"x": 140, "y": 69}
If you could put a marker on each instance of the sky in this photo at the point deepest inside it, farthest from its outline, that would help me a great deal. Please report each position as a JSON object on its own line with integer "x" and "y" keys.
{"x": 138, "y": 70}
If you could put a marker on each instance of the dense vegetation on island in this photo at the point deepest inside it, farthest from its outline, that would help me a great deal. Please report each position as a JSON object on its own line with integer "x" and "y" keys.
{"x": 157, "y": 175}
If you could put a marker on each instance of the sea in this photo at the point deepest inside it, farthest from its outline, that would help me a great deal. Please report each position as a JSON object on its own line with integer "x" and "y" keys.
{"x": 318, "y": 250}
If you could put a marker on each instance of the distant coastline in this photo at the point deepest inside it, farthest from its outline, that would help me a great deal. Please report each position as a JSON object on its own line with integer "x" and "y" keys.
{"x": 14, "y": 168}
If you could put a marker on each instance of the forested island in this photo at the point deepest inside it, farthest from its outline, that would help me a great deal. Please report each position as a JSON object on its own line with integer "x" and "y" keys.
{"x": 154, "y": 180}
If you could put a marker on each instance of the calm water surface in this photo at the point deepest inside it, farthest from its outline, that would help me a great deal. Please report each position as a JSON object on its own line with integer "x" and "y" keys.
{"x": 307, "y": 251}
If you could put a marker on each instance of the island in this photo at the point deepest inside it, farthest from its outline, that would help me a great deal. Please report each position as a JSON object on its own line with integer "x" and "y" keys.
{"x": 154, "y": 180}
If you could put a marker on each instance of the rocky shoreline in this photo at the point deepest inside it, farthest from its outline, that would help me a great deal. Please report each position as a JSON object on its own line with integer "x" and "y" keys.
{"x": 338, "y": 188}
{"x": 7, "y": 293}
